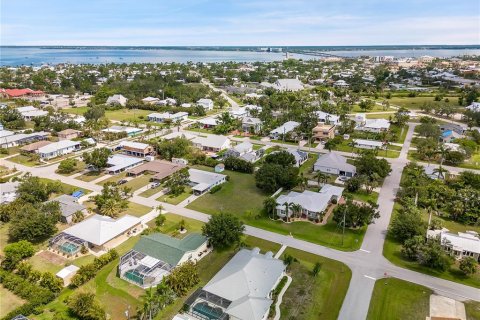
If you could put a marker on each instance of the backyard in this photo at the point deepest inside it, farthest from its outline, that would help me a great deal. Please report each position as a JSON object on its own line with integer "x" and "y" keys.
{"x": 8, "y": 301}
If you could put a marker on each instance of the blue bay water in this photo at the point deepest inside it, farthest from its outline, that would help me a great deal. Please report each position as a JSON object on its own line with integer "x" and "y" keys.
{"x": 16, "y": 56}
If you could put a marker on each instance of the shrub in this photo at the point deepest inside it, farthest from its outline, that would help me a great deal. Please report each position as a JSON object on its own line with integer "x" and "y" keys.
{"x": 215, "y": 189}
{"x": 88, "y": 271}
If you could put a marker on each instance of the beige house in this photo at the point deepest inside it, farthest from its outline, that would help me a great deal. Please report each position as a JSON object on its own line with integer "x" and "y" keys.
{"x": 323, "y": 132}
{"x": 68, "y": 134}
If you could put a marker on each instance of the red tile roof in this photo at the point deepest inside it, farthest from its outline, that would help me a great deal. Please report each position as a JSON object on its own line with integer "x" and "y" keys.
{"x": 14, "y": 93}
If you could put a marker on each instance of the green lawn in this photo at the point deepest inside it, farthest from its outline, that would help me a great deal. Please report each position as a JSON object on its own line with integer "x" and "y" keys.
{"x": 8, "y": 301}
{"x": 67, "y": 188}
{"x": 138, "y": 182}
{"x": 150, "y": 192}
{"x": 416, "y": 102}
{"x": 232, "y": 198}
{"x": 119, "y": 115}
{"x": 376, "y": 108}
{"x": 389, "y": 153}
{"x": 10, "y": 151}
{"x": 171, "y": 225}
{"x": 362, "y": 195}
{"x": 397, "y": 299}
{"x": 113, "y": 178}
{"x": 41, "y": 264}
{"x": 308, "y": 165}
{"x": 472, "y": 309}
{"x": 137, "y": 210}
{"x": 175, "y": 199}
{"x": 24, "y": 160}
{"x": 3, "y": 236}
{"x": 380, "y": 115}
{"x": 90, "y": 176}
{"x": 312, "y": 298}
{"x": 79, "y": 168}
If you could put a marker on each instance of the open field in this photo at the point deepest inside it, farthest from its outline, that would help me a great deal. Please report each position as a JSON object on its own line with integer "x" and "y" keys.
{"x": 8, "y": 301}
{"x": 416, "y": 102}
{"x": 309, "y": 297}
{"x": 231, "y": 198}
{"x": 397, "y": 299}
{"x": 118, "y": 115}
{"x": 90, "y": 176}
{"x": 175, "y": 199}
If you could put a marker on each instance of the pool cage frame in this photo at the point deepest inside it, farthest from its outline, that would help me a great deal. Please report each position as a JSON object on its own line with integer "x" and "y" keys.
{"x": 200, "y": 296}
{"x": 131, "y": 261}
{"x": 56, "y": 243}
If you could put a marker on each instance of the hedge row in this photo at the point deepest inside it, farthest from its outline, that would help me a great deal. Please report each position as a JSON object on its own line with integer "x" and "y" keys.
{"x": 89, "y": 271}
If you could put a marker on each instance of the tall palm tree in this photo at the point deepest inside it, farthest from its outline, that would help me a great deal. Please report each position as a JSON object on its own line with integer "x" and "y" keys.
{"x": 148, "y": 304}
{"x": 110, "y": 208}
{"x": 321, "y": 177}
{"x": 297, "y": 209}
{"x": 287, "y": 208}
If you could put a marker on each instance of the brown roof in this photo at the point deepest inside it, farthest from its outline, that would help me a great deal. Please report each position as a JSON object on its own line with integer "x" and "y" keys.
{"x": 35, "y": 146}
{"x": 161, "y": 168}
{"x": 69, "y": 131}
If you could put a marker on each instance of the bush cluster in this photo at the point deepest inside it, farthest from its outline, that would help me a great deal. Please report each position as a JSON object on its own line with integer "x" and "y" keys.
{"x": 89, "y": 271}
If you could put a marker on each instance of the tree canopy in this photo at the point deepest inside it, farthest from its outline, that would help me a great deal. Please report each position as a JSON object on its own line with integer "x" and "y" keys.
{"x": 223, "y": 230}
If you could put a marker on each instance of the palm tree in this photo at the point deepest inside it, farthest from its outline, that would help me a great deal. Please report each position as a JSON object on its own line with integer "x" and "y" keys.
{"x": 159, "y": 208}
{"x": 148, "y": 304}
{"x": 287, "y": 207}
{"x": 303, "y": 181}
{"x": 297, "y": 209}
{"x": 269, "y": 204}
{"x": 352, "y": 144}
{"x": 110, "y": 208}
{"x": 321, "y": 178}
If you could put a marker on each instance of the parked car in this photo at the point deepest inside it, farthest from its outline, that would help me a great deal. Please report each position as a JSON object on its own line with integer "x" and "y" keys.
{"x": 123, "y": 181}
{"x": 155, "y": 185}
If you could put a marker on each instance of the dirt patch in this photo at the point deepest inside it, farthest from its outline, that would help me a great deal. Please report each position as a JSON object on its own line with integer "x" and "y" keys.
{"x": 52, "y": 257}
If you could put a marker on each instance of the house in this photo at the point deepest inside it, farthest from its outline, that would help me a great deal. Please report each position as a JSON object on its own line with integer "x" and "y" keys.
{"x": 57, "y": 149}
{"x": 325, "y": 117}
{"x": 208, "y": 122}
{"x": 68, "y": 207}
{"x": 449, "y": 136}
{"x": 33, "y": 147}
{"x": 8, "y": 191}
{"x": 207, "y": 104}
{"x": 371, "y": 125}
{"x": 177, "y": 134}
{"x": 68, "y": 134}
{"x": 300, "y": 156}
{"x": 162, "y": 117}
{"x": 251, "y": 125}
{"x": 67, "y": 273}
{"x": 150, "y": 100}
{"x": 335, "y": 192}
{"x": 323, "y": 132}
{"x": 22, "y": 138}
{"x": 20, "y": 93}
{"x": 136, "y": 149}
{"x": 239, "y": 113}
{"x": 313, "y": 203}
{"x": 202, "y": 181}
{"x": 154, "y": 256}
{"x": 333, "y": 163}
{"x": 161, "y": 169}
{"x": 118, "y": 163}
{"x": 117, "y": 99}
{"x": 211, "y": 143}
{"x": 368, "y": 144}
{"x": 239, "y": 149}
{"x": 130, "y": 131}
{"x": 458, "y": 245}
{"x": 458, "y": 129}
{"x": 340, "y": 84}
{"x": 30, "y": 115}
{"x": 253, "y": 109}
{"x": 241, "y": 290}
{"x": 474, "y": 107}
{"x": 288, "y": 85}
{"x": 287, "y": 127}
{"x": 98, "y": 233}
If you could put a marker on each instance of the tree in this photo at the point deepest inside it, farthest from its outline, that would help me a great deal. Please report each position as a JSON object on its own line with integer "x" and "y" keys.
{"x": 401, "y": 117}
{"x": 454, "y": 158}
{"x": 86, "y": 307}
{"x": 321, "y": 177}
{"x": 407, "y": 224}
{"x": 16, "y": 252}
{"x": 67, "y": 165}
{"x": 316, "y": 269}
{"x": 112, "y": 200}
{"x": 97, "y": 158}
{"x": 283, "y": 158}
{"x": 34, "y": 190}
{"x": 182, "y": 278}
{"x": 223, "y": 230}
{"x": 175, "y": 148}
{"x": 412, "y": 246}
{"x": 366, "y": 105}
{"x": 432, "y": 255}
{"x": 468, "y": 266}
{"x": 177, "y": 182}
{"x": 269, "y": 206}
{"x": 270, "y": 177}
{"x": 95, "y": 113}
{"x": 357, "y": 214}
{"x": 355, "y": 183}
{"x": 51, "y": 282}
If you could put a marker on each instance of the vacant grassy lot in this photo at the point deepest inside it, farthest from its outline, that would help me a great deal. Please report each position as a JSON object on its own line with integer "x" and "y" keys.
{"x": 416, "y": 102}
{"x": 90, "y": 176}
{"x": 397, "y": 299}
{"x": 24, "y": 160}
{"x": 309, "y": 297}
{"x": 119, "y": 115}
{"x": 113, "y": 178}
{"x": 176, "y": 199}
{"x": 66, "y": 188}
{"x": 137, "y": 210}
{"x": 8, "y": 301}
{"x": 138, "y": 182}
{"x": 389, "y": 153}
{"x": 79, "y": 168}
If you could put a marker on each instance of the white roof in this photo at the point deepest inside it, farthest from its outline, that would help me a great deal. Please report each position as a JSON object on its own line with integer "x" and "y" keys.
{"x": 149, "y": 261}
{"x": 67, "y": 271}
{"x": 211, "y": 140}
{"x": 475, "y": 106}
{"x": 462, "y": 241}
{"x": 309, "y": 200}
{"x": 334, "y": 160}
{"x": 133, "y": 144}
{"x": 205, "y": 101}
{"x": 177, "y": 134}
{"x": 122, "y": 129}
{"x": 150, "y": 99}
{"x": 364, "y": 142}
{"x": 8, "y": 187}
{"x": 286, "y": 127}
{"x": 56, "y": 146}
{"x": 21, "y": 136}
{"x": 247, "y": 280}
{"x": 332, "y": 190}
{"x": 5, "y": 133}
{"x": 289, "y": 84}
{"x": 35, "y": 113}
{"x": 243, "y": 147}
{"x": 120, "y": 161}
{"x": 101, "y": 229}
{"x": 205, "y": 177}
{"x": 167, "y": 115}
{"x": 327, "y": 116}
{"x": 26, "y": 109}
{"x": 208, "y": 121}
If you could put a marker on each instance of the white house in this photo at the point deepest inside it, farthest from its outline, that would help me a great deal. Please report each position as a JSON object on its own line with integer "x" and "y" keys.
{"x": 327, "y": 118}
{"x": 289, "y": 85}
{"x": 207, "y": 104}
{"x": 119, "y": 163}
{"x": 130, "y": 131}
{"x": 458, "y": 245}
{"x": 161, "y": 117}
{"x": 208, "y": 122}
{"x": 313, "y": 203}
{"x": 117, "y": 99}
{"x": 475, "y": 107}
{"x": 340, "y": 84}
{"x": 57, "y": 149}
{"x": 300, "y": 156}
{"x": 211, "y": 143}
{"x": 68, "y": 207}
{"x": 283, "y": 129}
{"x": 30, "y": 112}
{"x": 239, "y": 113}
{"x": 150, "y": 100}
{"x": 333, "y": 163}
{"x": 242, "y": 289}
{"x": 155, "y": 255}
{"x": 202, "y": 181}
{"x": 253, "y": 125}
{"x": 368, "y": 144}
{"x": 371, "y": 125}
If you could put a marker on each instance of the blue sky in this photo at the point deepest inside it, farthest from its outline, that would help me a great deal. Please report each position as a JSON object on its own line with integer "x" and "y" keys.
{"x": 239, "y": 22}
